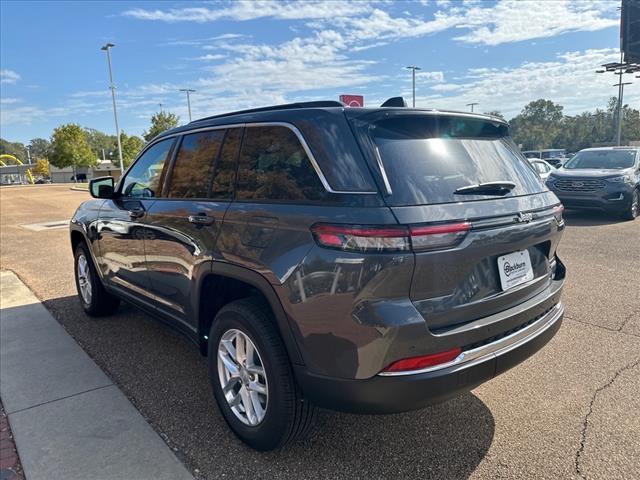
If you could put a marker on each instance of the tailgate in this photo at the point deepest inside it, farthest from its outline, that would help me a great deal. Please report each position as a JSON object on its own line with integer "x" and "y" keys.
{"x": 462, "y": 284}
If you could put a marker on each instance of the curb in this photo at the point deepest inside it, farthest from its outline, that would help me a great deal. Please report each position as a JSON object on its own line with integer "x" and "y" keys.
{"x": 68, "y": 419}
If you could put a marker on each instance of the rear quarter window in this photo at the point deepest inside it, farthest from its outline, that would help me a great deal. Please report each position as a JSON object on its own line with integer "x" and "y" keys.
{"x": 427, "y": 158}
{"x": 274, "y": 166}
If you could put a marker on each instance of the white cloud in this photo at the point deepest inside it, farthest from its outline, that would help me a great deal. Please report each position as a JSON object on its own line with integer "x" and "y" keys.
{"x": 200, "y": 41}
{"x": 209, "y": 57}
{"x": 446, "y": 87}
{"x": 517, "y": 20}
{"x": 9, "y": 101}
{"x": 21, "y": 115}
{"x": 8, "y": 76}
{"x": 570, "y": 80}
{"x": 250, "y": 10}
{"x": 244, "y": 73}
{"x": 503, "y": 22}
{"x": 429, "y": 77}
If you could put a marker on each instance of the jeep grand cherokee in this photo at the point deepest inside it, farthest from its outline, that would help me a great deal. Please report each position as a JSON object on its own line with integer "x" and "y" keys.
{"x": 370, "y": 260}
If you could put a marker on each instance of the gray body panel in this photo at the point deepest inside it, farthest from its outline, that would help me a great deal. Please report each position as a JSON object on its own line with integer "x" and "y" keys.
{"x": 342, "y": 314}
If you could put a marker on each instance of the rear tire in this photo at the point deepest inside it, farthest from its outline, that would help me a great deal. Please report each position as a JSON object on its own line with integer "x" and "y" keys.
{"x": 633, "y": 210}
{"x": 95, "y": 300}
{"x": 282, "y": 413}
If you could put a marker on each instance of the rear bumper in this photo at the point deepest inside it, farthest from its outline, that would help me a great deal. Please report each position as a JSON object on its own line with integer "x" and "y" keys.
{"x": 409, "y": 391}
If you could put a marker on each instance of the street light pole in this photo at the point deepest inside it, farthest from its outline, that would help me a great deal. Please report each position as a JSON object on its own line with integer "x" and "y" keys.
{"x": 620, "y": 86}
{"x": 472, "y": 104}
{"x": 619, "y": 69}
{"x": 107, "y": 48}
{"x": 188, "y": 91}
{"x": 413, "y": 69}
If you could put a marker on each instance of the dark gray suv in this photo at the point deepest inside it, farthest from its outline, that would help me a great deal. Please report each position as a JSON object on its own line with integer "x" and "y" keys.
{"x": 365, "y": 260}
{"x": 606, "y": 178}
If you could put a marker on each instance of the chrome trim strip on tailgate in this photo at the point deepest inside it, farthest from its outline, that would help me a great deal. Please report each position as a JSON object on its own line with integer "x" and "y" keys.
{"x": 494, "y": 349}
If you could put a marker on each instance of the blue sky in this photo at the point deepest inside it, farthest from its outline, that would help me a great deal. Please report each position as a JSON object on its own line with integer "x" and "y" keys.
{"x": 241, "y": 54}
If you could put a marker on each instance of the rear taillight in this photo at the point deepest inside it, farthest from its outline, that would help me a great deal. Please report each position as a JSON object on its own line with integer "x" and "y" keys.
{"x": 438, "y": 236}
{"x": 358, "y": 238}
{"x": 362, "y": 239}
{"x": 557, "y": 213}
{"x": 423, "y": 361}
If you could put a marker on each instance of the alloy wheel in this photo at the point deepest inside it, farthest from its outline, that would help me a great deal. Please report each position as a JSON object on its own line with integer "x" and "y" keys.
{"x": 242, "y": 377}
{"x": 84, "y": 279}
{"x": 635, "y": 204}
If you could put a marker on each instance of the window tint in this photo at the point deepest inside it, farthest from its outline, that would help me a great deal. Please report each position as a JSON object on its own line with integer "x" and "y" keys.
{"x": 551, "y": 154}
{"x": 225, "y": 167}
{"x": 192, "y": 169}
{"x": 274, "y": 166}
{"x": 427, "y": 158}
{"x": 541, "y": 167}
{"x": 143, "y": 180}
{"x": 602, "y": 159}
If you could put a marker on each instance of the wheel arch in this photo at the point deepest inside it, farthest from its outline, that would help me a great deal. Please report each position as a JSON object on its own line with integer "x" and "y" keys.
{"x": 240, "y": 283}
{"x": 78, "y": 236}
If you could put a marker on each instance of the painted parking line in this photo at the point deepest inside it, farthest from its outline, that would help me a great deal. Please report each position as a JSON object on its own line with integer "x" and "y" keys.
{"x": 45, "y": 226}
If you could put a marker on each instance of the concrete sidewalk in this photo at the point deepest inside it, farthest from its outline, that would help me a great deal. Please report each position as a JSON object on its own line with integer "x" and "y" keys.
{"x": 68, "y": 419}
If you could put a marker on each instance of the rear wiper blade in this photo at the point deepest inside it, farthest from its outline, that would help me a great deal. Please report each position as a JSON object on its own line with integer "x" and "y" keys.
{"x": 491, "y": 188}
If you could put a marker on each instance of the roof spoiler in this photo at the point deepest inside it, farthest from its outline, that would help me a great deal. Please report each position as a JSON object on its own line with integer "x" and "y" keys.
{"x": 395, "y": 102}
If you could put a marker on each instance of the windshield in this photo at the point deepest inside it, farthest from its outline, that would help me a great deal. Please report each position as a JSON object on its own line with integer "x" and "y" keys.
{"x": 602, "y": 159}
{"x": 552, "y": 154}
{"x": 428, "y": 158}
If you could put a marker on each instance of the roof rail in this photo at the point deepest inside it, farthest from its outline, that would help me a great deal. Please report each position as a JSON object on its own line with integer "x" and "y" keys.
{"x": 287, "y": 106}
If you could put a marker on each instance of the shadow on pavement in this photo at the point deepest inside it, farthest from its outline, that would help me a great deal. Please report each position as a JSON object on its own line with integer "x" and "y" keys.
{"x": 165, "y": 377}
{"x": 590, "y": 218}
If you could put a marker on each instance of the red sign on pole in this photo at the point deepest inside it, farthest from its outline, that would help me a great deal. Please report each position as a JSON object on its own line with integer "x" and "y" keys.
{"x": 352, "y": 100}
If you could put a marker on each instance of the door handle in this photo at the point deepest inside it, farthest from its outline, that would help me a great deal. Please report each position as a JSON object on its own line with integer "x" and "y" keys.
{"x": 136, "y": 212}
{"x": 201, "y": 220}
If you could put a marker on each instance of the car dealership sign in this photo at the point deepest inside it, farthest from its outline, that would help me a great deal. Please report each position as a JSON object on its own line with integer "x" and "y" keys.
{"x": 352, "y": 100}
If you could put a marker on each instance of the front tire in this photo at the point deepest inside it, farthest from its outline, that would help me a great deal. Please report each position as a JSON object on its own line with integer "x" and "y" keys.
{"x": 633, "y": 210}
{"x": 95, "y": 300}
{"x": 252, "y": 378}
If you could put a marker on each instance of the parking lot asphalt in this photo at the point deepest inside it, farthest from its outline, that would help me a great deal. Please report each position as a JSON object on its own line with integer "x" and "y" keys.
{"x": 571, "y": 411}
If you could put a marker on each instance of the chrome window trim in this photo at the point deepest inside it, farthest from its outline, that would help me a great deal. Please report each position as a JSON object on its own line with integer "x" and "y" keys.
{"x": 118, "y": 184}
{"x": 293, "y": 128}
{"x": 493, "y": 350}
{"x": 383, "y": 172}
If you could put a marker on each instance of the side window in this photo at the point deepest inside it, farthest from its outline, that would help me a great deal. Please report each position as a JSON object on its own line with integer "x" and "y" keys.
{"x": 225, "y": 167}
{"x": 191, "y": 173}
{"x": 143, "y": 180}
{"x": 274, "y": 166}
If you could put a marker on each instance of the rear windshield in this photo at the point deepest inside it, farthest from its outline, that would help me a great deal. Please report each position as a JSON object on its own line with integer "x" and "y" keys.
{"x": 552, "y": 154}
{"x": 427, "y": 158}
{"x": 602, "y": 159}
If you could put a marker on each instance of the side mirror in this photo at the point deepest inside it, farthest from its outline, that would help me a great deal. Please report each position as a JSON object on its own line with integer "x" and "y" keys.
{"x": 102, "y": 187}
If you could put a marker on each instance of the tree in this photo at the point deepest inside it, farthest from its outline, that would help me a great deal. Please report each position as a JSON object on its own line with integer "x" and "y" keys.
{"x": 39, "y": 148}
{"x": 41, "y": 168}
{"x": 630, "y": 124}
{"x": 69, "y": 148}
{"x": 495, "y": 113}
{"x": 16, "y": 149}
{"x": 538, "y": 125}
{"x": 131, "y": 146}
{"x": 100, "y": 142}
{"x": 160, "y": 122}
